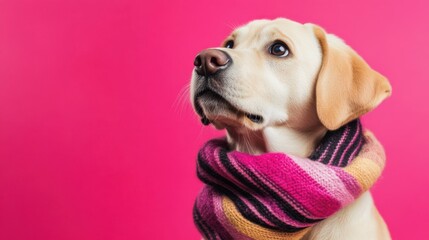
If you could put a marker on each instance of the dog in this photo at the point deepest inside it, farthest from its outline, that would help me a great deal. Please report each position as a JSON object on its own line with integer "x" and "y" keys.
{"x": 279, "y": 86}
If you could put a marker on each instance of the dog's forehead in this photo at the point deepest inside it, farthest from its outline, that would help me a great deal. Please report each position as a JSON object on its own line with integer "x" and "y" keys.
{"x": 260, "y": 30}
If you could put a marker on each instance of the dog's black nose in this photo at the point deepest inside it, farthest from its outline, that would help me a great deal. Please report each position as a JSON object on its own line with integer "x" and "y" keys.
{"x": 210, "y": 61}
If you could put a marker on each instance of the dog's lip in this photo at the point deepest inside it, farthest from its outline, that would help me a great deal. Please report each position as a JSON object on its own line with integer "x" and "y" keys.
{"x": 212, "y": 94}
{"x": 255, "y": 118}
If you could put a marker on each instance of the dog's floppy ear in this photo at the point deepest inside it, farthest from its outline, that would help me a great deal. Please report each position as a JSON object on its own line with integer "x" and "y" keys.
{"x": 346, "y": 86}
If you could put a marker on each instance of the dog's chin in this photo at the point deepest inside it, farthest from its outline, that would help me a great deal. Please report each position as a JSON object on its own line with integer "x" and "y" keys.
{"x": 215, "y": 109}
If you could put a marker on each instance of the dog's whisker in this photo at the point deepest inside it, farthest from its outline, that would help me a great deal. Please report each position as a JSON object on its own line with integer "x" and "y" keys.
{"x": 247, "y": 141}
{"x": 181, "y": 102}
{"x": 256, "y": 135}
{"x": 232, "y": 26}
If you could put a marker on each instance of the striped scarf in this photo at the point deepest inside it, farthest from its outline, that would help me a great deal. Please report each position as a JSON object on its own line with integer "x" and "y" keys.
{"x": 279, "y": 196}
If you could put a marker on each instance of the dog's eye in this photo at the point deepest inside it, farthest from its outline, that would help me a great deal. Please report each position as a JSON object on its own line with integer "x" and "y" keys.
{"x": 279, "y": 49}
{"x": 229, "y": 44}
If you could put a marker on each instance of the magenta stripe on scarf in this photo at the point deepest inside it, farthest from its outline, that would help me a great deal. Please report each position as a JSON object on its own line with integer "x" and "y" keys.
{"x": 291, "y": 177}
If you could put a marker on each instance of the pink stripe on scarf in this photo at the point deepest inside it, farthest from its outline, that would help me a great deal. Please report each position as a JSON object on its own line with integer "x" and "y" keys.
{"x": 336, "y": 186}
{"x": 291, "y": 177}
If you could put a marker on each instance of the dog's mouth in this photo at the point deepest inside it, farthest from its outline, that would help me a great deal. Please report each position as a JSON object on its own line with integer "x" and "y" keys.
{"x": 211, "y": 106}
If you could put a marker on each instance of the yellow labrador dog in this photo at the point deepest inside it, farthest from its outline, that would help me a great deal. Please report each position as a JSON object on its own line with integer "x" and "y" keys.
{"x": 279, "y": 86}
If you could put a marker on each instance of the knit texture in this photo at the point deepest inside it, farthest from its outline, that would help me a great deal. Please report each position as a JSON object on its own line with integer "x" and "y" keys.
{"x": 279, "y": 196}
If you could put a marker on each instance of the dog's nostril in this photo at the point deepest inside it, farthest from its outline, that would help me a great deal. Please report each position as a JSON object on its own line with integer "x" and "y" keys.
{"x": 215, "y": 61}
{"x": 218, "y": 61}
{"x": 197, "y": 61}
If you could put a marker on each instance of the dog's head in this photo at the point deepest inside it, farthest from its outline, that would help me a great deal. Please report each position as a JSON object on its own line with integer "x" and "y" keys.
{"x": 282, "y": 72}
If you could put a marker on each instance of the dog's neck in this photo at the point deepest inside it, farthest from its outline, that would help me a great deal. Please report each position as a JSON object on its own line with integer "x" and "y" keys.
{"x": 276, "y": 139}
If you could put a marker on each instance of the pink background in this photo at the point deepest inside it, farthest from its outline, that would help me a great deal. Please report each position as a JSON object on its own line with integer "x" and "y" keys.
{"x": 98, "y": 141}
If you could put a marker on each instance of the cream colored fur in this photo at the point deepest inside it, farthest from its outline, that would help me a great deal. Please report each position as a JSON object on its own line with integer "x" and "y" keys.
{"x": 300, "y": 97}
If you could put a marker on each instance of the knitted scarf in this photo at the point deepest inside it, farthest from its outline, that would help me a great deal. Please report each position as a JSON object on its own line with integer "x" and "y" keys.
{"x": 280, "y": 196}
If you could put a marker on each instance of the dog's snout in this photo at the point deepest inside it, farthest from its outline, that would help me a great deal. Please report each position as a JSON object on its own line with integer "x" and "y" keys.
{"x": 210, "y": 61}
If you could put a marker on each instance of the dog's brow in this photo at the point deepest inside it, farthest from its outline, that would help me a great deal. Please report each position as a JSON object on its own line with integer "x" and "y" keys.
{"x": 276, "y": 31}
{"x": 278, "y": 34}
{"x": 273, "y": 32}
